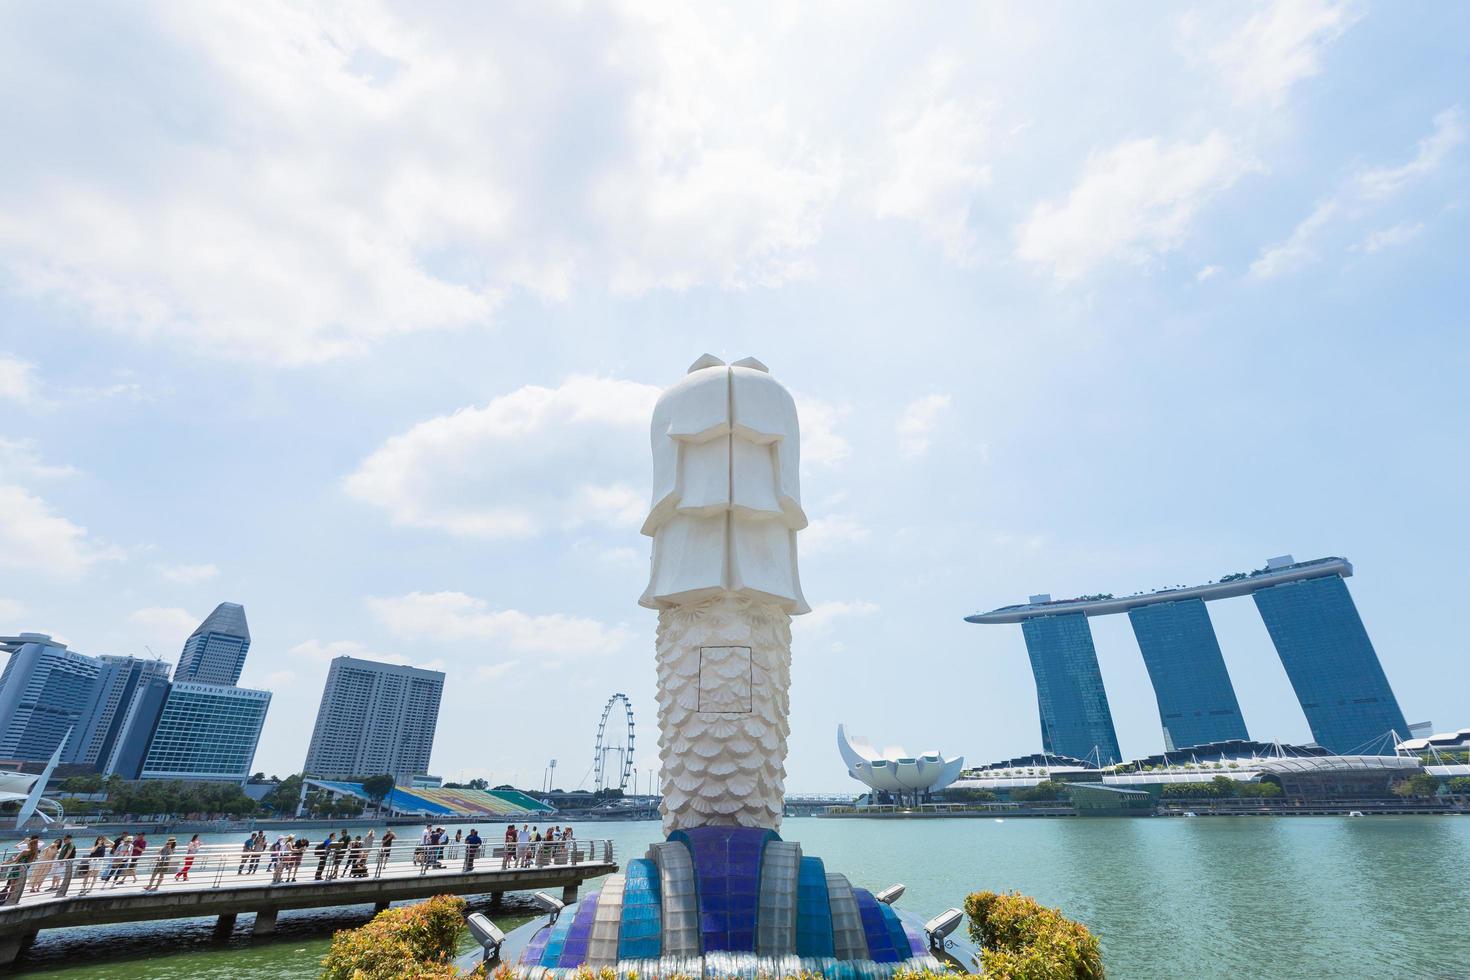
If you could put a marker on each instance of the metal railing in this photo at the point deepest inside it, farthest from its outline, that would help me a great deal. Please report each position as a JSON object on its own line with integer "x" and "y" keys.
{"x": 233, "y": 865}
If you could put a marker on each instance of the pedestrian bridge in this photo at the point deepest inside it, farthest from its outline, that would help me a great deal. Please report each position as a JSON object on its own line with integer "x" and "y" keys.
{"x": 222, "y": 884}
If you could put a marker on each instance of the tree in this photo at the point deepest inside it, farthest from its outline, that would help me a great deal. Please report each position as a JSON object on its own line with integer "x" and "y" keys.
{"x": 966, "y": 794}
{"x": 1460, "y": 785}
{"x": 378, "y": 787}
{"x": 1045, "y": 791}
{"x": 1419, "y": 784}
{"x": 480, "y": 784}
{"x": 284, "y": 799}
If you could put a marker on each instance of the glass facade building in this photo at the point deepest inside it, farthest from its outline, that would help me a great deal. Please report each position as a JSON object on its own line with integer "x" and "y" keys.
{"x": 1196, "y": 700}
{"x": 44, "y": 691}
{"x": 206, "y": 732}
{"x": 119, "y": 680}
{"x": 1075, "y": 718}
{"x": 215, "y": 651}
{"x": 1332, "y": 665}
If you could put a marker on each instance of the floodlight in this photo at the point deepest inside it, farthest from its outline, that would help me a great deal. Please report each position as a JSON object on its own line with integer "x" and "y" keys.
{"x": 942, "y": 925}
{"x": 890, "y": 894}
{"x": 487, "y": 934}
{"x": 549, "y": 903}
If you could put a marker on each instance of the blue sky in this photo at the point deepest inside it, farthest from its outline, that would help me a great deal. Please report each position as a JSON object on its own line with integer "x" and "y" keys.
{"x": 355, "y": 315}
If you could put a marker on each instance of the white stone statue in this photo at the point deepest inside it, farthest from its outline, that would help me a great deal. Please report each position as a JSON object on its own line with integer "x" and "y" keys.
{"x": 725, "y": 512}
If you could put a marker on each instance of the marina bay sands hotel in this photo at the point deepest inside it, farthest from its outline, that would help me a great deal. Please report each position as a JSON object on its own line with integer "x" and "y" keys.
{"x": 1312, "y": 621}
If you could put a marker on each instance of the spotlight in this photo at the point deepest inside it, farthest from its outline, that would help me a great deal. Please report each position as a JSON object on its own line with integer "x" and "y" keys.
{"x": 890, "y": 894}
{"x": 549, "y": 904}
{"x": 487, "y": 934}
{"x": 942, "y": 925}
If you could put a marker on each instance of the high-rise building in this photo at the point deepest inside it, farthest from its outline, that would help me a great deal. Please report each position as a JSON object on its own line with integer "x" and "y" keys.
{"x": 375, "y": 718}
{"x": 44, "y": 691}
{"x": 119, "y": 681}
{"x": 1196, "y": 700}
{"x": 135, "y": 727}
{"x": 1332, "y": 665}
{"x": 1075, "y": 718}
{"x": 215, "y": 651}
{"x": 206, "y": 732}
{"x": 1312, "y": 620}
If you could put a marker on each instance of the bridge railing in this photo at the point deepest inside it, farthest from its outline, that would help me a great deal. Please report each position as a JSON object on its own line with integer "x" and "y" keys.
{"x": 233, "y": 865}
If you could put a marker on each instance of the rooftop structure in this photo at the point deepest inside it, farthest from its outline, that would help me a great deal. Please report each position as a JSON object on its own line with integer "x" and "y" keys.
{"x": 1277, "y": 571}
{"x": 375, "y": 718}
{"x": 215, "y": 651}
{"x": 1308, "y": 612}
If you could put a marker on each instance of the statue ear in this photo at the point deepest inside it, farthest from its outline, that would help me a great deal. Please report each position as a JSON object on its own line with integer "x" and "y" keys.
{"x": 750, "y": 362}
{"x": 705, "y": 361}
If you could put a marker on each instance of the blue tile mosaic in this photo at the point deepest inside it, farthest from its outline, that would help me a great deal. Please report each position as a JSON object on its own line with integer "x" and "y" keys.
{"x": 881, "y": 948}
{"x": 727, "y": 863}
{"x": 813, "y": 910}
{"x": 641, "y": 933}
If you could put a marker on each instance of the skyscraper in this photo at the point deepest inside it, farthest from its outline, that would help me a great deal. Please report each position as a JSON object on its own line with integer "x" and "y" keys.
{"x": 206, "y": 732}
{"x": 44, "y": 691}
{"x": 1196, "y": 699}
{"x": 215, "y": 651}
{"x": 1332, "y": 665}
{"x": 375, "y": 718}
{"x": 119, "y": 681}
{"x": 135, "y": 727}
{"x": 1075, "y": 718}
{"x": 205, "y": 728}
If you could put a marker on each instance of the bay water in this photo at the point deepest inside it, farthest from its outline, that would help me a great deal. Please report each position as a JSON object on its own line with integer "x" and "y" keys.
{"x": 1212, "y": 897}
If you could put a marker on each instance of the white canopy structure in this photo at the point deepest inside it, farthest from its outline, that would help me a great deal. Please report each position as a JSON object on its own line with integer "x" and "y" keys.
{"x": 26, "y": 788}
{"x": 894, "y": 770}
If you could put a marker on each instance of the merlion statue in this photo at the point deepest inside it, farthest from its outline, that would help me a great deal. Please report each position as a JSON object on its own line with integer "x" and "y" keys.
{"x": 726, "y": 508}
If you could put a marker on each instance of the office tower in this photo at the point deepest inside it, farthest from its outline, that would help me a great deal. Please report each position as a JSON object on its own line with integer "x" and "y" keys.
{"x": 44, "y": 691}
{"x": 206, "y": 732}
{"x": 1075, "y": 719}
{"x": 215, "y": 651}
{"x": 119, "y": 681}
{"x": 1332, "y": 665}
{"x": 135, "y": 727}
{"x": 1196, "y": 700}
{"x": 375, "y": 718}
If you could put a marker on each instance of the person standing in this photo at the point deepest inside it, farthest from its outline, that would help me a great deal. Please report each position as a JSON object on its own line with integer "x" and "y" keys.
{"x": 162, "y": 865}
{"x": 90, "y": 868}
{"x": 140, "y": 844}
{"x": 62, "y": 870}
{"x": 509, "y": 850}
{"x": 118, "y": 862}
{"x": 523, "y": 845}
{"x": 43, "y": 864}
{"x": 191, "y": 851}
{"x": 15, "y": 875}
{"x": 278, "y": 851}
{"x": 471, "y": 849}
{"x": 245, "y": 852}
{"x": 385, "y": 850}
{"x": 323, "y": 851}
{"x": 257, "y": 851}
{"x": 339, "y": 851}
{"x": 298, "y": 851}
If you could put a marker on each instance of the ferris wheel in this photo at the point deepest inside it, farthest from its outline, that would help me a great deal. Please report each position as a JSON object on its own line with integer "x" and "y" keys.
{"x": 616, "y": 743}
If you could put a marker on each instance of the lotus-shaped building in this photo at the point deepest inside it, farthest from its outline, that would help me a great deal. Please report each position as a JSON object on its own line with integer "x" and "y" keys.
{"x": 894, "y": 770}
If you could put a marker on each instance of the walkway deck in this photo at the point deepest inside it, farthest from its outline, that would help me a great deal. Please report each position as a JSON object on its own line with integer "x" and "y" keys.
{"x": 217, "y": 889}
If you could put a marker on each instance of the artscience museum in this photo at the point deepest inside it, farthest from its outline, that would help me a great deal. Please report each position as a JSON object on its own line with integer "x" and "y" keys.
{"x": 894, "y": 770}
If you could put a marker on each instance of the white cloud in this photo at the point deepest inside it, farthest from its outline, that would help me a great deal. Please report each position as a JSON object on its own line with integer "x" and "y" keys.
{"x": 11, "y": 610}
{"x": 486, "y": 673}
{"x": 831, "y": 533}
{"x": 165, "y": 628}
{"x": 1207, "y": 273}
{"x": 917, "y": 422}
{"x": 1134, "y": 202}
{"x": 321, "y": 178}
{"x": 1399, "y": 234}
{"x": 820, "y": 441}
{"x": 189, "y": 574}
{"x": 1279, "y": 45}
{"x": 936, "y": 163}
{"x": 319, "y": 651}
{"x": 454, "y": 617}
{"x": 18, "y": 382}
{"x": 34, "y": 538}
{"x": 19, "y": 461}
{"x": 530, "y": 460}
{"x": 1359, "y": 194}
{"x": 825, "y": 615}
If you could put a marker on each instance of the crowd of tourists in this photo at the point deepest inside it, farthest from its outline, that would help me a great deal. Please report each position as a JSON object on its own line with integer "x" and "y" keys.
{"x": 38, "y": 867}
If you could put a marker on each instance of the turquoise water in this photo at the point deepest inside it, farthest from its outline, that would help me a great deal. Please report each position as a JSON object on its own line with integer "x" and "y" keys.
{"x": 1245, "y": 897}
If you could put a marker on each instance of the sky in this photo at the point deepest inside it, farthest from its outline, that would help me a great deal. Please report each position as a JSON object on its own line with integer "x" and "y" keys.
{"x": 355, "y": 314}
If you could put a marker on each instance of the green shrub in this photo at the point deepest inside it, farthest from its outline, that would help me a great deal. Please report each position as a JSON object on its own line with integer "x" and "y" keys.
{"x": 416, "y": 941}
{"x": 1021, "y": 939}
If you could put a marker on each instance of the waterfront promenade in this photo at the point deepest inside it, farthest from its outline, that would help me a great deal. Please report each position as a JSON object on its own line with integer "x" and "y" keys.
{"x": 217, "y": 887}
